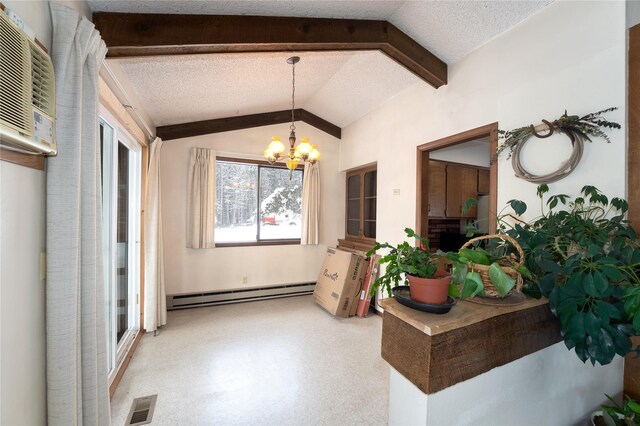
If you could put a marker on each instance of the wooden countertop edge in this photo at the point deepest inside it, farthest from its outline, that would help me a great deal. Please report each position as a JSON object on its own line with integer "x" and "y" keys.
{"x": 463, "y": 314}
{"x": 459, "y": 350}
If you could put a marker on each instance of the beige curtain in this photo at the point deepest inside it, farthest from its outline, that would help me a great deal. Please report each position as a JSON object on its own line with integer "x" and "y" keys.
{"x": 155, "y": 299}
{"x": 202, "y": 198}
{"x": 77, "y": 366}
{"x": 311, "y": 204}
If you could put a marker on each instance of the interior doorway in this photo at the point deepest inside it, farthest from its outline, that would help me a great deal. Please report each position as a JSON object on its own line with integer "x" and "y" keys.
{"x": 449, "y": 171}
{"x": 631, "y": 362}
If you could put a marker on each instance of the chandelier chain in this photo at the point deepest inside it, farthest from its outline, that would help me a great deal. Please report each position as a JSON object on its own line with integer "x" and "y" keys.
{"x": 293, "y": 95}
{"x": 294, "y": 155}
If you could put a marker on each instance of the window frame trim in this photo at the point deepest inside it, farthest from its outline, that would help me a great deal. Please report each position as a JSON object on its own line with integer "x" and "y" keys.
{"x": 121, "y": 135}
{"x": 265, "y": 242}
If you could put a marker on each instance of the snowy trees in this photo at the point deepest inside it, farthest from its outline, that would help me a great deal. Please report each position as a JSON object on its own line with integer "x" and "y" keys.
{"x": 242, "y": 187}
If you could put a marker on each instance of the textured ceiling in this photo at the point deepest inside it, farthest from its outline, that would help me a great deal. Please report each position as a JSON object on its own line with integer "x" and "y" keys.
{"x": 356, "y": 9}
{"x": 179, "y": 89}
{"x": 337, "y": 86}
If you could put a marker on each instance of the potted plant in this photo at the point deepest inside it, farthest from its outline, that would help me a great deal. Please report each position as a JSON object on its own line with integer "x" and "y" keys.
{"x": 627, "y": 414}
{"x": 586, "y": 259}
{"x": 491, "y": 271}
{"x": 415, "y": 266}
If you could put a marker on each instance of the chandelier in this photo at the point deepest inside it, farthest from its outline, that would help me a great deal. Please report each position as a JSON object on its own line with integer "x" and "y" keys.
{"x": 304, "y": 152}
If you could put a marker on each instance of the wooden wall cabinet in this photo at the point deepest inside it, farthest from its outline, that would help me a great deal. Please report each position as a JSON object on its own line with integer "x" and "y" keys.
{"x": 437, "y": 189}
{"x": 483, "y": 181}
{"x": 361, "y": 204}
{"x": 462, "y": 184}
{"x": 450, "y": 185}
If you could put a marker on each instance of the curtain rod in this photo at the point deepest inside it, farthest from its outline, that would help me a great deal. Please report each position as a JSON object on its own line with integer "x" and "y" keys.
{"x": 128, "y": 105}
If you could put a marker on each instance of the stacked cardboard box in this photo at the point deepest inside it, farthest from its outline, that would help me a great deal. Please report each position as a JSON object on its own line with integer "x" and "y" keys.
{"x": 339, "y": 283}
{"x": 372, "y": 273}
{"x": 365, "y": 297}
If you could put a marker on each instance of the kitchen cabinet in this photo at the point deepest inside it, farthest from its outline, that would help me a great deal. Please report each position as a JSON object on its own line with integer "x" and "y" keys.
{"x": 483, "y": 181}
{"x": 361, "y": 204}
{"x": 437, "y": 188}
{"x": 462, "y": 184}
{"x": 451, "y": 184}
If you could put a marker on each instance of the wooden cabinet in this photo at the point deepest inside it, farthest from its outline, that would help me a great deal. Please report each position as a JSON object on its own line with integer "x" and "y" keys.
{"x": 450, "y": 185}
{"x": 483, "y": 181}
{"x": 361, "y": 204}
{"x": 462, "y": 184}
{"x": 437, "y": 188}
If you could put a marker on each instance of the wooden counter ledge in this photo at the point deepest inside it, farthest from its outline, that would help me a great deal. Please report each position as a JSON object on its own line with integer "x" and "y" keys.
{"x": 437, "y": 351}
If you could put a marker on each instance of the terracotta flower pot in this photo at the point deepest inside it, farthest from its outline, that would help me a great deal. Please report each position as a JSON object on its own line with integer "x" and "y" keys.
{"x": 432, "y": 291}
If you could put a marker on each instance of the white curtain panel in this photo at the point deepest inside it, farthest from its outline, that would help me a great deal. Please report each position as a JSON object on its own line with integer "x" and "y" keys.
{"x": 77, "y": 383}
{"x": 311, "y": 204}
{"x": 202, "y": 198}
{"x": 155, "y": 297}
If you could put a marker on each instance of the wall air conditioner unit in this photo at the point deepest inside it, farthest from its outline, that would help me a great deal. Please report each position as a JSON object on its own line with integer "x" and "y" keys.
{"x": 27, "y": 92}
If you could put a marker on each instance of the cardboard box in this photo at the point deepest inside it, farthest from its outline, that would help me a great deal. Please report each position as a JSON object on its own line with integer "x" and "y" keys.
{"x": 369, "y": 278}
{"x": 339, "y": 282}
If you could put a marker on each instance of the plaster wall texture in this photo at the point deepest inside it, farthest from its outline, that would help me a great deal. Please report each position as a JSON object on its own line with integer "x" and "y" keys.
{"x": 633, "y": 13}
{"x": 522, "y": 76}
{"x": 22, "y": 292}
{"x": 570, "y": 55}
{"x": 472, "y": 154}
{"x": 223, "y": 268}
{"x": 548, "y": 387}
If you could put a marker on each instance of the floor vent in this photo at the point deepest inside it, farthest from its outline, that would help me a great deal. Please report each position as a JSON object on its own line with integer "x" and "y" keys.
{"x": 183, "y": 301}
{"x": 141, "y": 410}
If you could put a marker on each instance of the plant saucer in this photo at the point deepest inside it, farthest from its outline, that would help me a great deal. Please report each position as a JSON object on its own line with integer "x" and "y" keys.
{"x": 402, "y": 295}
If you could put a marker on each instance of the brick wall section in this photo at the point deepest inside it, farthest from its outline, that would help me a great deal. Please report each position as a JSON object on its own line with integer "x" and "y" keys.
{"x": 437, "y": 226}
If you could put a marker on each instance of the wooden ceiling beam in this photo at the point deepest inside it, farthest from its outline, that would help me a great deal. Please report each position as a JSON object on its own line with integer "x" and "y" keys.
{"x": 136, "y": 34}
{"x": 197, "y": 128}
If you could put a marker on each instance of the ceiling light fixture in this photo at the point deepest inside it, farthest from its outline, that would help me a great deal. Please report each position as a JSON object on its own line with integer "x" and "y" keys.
{"x": 304, "y": 152}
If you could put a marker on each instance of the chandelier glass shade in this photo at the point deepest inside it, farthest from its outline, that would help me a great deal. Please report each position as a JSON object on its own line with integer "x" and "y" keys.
{"x": 294, "y": 155}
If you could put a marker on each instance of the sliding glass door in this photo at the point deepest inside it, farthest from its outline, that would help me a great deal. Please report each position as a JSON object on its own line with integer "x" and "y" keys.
{"x": 121, "y": 187}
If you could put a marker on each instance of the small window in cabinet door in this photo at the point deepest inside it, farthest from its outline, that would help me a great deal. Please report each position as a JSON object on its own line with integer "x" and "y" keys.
{"x": 353, "y": 205}
{"x": 370, "y": 190}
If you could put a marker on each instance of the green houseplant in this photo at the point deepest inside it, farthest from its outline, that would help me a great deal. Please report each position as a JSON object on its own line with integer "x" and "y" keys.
{"x": 585, "y": 258}
{"x": 490, "y": 271}
{"x": 625, "y": 414}
{"x": 410, "y": 264}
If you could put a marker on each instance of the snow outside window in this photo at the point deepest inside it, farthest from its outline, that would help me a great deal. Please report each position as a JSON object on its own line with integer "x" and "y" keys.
{"x": 256, "y": 202}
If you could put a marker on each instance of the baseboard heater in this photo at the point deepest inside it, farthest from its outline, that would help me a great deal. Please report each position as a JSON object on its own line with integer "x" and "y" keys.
{"x": 193, "y": 300}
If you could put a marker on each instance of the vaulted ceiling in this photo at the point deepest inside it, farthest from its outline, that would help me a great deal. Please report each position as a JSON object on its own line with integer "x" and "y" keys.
{"x": 337, "y": 86}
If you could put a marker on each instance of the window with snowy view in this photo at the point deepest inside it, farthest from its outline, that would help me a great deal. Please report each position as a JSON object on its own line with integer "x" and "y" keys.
{"x": 256, "y": 202}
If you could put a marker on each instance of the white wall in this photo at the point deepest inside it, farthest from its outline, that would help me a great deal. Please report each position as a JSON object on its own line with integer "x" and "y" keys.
{"x": 548, "y": 387}
{"x": 570, "y": 55}
{"x": 22, "y": 335}
{"x": 199, "y": 270}
{"x": 633, "y": 13}
{"x": 474, "y": 154}
{"x": 22, "y": 239}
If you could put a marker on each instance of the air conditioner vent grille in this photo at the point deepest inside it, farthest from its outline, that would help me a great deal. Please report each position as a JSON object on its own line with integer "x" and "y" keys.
{"x": 42, "y": 81}
{"x": 15, "y": 91}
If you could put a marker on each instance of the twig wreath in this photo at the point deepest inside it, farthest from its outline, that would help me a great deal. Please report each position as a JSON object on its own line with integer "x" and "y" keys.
{"x": 578, "y": 129}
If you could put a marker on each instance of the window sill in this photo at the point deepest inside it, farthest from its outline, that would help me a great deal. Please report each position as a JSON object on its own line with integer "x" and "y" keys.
{"x": 260, "y": 243}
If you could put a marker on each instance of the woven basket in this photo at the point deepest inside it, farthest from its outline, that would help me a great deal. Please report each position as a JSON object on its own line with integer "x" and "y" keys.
{"x": 509, "y": 266}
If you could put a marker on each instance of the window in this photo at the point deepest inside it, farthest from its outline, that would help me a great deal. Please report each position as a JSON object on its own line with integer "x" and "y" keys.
{"x": 257, "y": 203}
{"x": 361, "y": 204}
{"x": 121, "y": 188}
